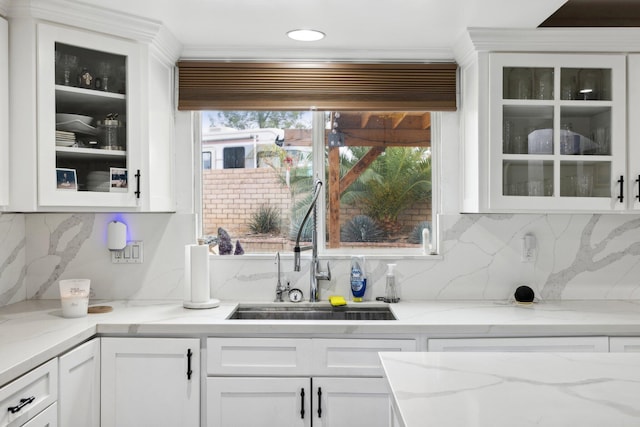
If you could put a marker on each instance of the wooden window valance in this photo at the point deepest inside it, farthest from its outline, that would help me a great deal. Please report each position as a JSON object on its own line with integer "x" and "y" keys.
{"x": 209, "y": 85}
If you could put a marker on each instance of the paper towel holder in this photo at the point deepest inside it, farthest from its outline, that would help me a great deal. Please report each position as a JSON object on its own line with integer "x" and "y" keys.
{"x": 116, "y": 235}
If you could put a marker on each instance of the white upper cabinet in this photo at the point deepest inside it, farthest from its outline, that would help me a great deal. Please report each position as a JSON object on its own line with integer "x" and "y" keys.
{"x": 89, "y": 138}
{"x": 4, "y": 114}
{"x": 556, "y": 134}
{"x": 633, "y": 115}
{"x": 92, "y": 111}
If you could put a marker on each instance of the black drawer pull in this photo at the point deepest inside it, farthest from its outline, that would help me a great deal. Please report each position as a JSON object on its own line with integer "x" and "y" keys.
{"x": 319, "y": 402}
{"x": 23, "y": 402}
{"x": 189, "y": 371}
{"x": 621, "y": 182}
{"x": 302, "y": 403}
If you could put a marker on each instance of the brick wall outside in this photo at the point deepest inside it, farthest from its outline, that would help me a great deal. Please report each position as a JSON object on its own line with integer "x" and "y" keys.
{"x": 232, "y": 196}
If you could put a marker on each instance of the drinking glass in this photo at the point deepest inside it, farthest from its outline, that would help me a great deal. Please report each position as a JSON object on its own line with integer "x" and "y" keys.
{"x": 104, "y": 71}
{"x": 70, "y": 65}
{"x": 520, "y": 83}
{"x": 584, "y": 185}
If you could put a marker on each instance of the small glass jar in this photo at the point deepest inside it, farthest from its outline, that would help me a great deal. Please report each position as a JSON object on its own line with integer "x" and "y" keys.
{"x": 108, "y": 131}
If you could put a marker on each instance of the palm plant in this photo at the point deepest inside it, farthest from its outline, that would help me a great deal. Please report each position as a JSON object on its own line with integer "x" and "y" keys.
{"x": 402, "y": 177}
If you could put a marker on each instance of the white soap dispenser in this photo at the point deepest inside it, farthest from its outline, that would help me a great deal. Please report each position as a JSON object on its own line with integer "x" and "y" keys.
{"x": 391, "y": 290}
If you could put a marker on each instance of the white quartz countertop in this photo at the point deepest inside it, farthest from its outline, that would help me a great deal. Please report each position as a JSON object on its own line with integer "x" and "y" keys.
{"x": 514, "y": 389}
{"x": 34, "y": 331}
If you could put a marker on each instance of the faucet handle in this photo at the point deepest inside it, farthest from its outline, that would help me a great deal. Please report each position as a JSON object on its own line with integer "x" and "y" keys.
{"x": 322, "y": 275}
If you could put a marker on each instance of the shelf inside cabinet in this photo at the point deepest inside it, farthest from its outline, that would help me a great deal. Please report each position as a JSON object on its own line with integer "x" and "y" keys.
{"x": 89, "y": 153}
{"x": 88, "y": 101}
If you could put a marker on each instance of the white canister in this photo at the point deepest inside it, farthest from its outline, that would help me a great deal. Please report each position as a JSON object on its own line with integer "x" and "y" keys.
{"x": 74, "y": 297}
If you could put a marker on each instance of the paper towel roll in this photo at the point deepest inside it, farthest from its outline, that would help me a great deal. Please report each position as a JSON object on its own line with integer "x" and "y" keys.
{"x": 196, "y": 273}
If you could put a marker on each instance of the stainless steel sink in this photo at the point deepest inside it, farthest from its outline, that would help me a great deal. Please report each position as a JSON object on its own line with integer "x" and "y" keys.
{"x": 311, "y": 312}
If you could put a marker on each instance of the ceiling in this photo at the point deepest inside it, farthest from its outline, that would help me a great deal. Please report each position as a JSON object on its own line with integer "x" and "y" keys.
{"x": 403, "y": 28}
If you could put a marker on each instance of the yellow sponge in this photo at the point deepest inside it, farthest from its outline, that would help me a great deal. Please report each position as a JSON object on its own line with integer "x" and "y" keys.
{"x": 336, "y": 300}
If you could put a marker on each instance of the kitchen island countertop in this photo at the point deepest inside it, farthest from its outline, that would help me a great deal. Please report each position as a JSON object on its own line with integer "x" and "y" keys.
{"x": 514, "y": 389}
{"x": 34, "y": 331}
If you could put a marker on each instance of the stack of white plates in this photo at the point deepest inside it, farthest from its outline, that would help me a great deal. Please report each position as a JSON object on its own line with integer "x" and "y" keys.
{"x": 65, "y": 138}
{"x": 75, "y": 123}
{"x": 98, "y": 181}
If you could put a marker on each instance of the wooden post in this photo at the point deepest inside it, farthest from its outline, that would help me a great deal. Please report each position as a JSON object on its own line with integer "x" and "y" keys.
{"x": 334, "y": 197}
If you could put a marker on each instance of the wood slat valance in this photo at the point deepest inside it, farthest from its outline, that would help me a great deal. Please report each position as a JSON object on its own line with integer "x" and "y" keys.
{"x": 208, "y": 85}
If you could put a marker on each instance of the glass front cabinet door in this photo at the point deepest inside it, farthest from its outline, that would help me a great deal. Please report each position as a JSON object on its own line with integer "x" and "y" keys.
{"x": 557, "y": 132}
{"x": 88, "y": 119}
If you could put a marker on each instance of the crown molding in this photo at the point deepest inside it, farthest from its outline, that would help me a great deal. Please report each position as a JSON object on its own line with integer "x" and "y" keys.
{"x": 555, "y": 40}
{"x": 231, "y": 53}
{"x": 108, "y": 21}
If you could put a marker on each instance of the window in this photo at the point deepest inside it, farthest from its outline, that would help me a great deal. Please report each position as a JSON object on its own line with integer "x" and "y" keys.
{"x": 376, "y": 170}
{"x": 233, "y": 157}
{"x": 206, "y": 160}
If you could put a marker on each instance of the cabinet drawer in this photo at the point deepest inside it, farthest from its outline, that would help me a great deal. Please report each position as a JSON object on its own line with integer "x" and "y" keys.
{"x": 46, "y": 418}
{"x": 41, "y": 384}
{"x": 624, "y": 344}
{"x": 540, "y": 344}
{"x": 354, "y": 357}
{"x": 258, "y": 356}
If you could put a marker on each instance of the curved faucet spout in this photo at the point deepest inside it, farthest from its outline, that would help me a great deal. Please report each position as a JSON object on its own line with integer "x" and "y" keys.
{"x": 297, "y": 249}
{"x": 316, "y": 274}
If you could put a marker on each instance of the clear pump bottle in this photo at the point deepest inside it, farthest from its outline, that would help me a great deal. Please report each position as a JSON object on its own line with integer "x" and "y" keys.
{"x": 391, "y": 290}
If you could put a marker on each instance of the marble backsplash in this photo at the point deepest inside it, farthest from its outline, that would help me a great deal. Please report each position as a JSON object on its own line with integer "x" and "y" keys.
{"x": 577, "y": 257}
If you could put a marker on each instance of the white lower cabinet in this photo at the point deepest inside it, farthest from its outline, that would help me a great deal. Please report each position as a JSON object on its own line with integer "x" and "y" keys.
{"x": 150, "y": 382}
{"x": 297, "y": 402}
{"x": 540, "y": 344}
{"x": 79, "y": 393}
{"x": 298, "y": 382}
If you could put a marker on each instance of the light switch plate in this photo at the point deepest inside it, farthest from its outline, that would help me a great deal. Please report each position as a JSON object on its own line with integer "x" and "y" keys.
{"x": 131, "y": 254}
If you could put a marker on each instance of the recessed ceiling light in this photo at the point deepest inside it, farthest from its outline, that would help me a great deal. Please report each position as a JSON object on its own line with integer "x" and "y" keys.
{"x": 305, "y": 35}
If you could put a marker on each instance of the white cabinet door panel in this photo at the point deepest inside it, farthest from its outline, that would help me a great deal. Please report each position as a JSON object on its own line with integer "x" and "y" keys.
{"x": 347, "y": 402}
{"x": 79, "y": 399}
{"x": 258, "y": 402}
{"x": 145, "y": 382}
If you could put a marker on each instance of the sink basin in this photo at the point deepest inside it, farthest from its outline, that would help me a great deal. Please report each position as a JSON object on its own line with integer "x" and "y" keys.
{"x": 311, "y": 312}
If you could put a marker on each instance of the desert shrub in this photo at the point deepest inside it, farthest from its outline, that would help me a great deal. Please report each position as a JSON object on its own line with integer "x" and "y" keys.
{"x": 361, "y": 228}
{"x": 265, "y": 220}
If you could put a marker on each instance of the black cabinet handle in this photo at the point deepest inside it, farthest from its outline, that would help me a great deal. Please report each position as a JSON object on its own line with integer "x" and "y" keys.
{"x": 638, "y": 181}
{"x": 189, "y": 371}
{"x": 319, "y": 402}
{"x": 137, "y": 192}
{"x": 621, "y": 182}
{"x": 302, "y": 403}
{"x": 23, "y": 402}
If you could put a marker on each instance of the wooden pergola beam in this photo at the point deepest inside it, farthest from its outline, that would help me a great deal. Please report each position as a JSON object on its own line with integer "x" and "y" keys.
{"x": 357, "y": 169}
{"x": 384, "y": 138}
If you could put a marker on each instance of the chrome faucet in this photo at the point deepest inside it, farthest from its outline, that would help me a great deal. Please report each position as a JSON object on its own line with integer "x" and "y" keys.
{"x": 315, "y": 274}
{"x": 280, "y": 289}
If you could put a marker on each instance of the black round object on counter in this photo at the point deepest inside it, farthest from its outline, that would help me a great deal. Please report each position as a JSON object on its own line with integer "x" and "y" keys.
{"x": 524, "y": 294}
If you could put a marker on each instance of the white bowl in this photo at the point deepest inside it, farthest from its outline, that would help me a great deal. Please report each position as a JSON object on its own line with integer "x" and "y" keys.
{"x": 65, "y": 118}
